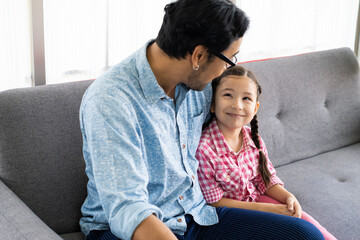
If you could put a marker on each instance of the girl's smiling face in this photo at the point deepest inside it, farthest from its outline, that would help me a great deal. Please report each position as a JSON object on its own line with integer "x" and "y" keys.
{"x": 235, "y": 102}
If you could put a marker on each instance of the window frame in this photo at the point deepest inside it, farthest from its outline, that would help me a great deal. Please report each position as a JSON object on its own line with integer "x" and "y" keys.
{"x": 37, "y": 41}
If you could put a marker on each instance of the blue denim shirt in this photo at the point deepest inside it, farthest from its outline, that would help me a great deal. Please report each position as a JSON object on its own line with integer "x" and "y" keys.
{"x": 139, "y": 147}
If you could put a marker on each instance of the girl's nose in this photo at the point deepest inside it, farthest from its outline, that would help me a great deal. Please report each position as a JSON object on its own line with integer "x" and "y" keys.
{"x": 237, "y": 104}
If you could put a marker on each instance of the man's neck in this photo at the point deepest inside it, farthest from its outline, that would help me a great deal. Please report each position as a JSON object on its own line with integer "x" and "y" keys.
{"x": 169, "y": 72}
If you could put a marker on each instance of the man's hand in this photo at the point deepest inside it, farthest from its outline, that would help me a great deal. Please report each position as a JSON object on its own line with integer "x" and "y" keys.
{"x": 153, "y": 229}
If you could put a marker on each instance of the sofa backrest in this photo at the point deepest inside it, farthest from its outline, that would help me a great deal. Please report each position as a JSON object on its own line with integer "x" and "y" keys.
{"x": 310, "y": 103}
{"x": 41, "y": 151}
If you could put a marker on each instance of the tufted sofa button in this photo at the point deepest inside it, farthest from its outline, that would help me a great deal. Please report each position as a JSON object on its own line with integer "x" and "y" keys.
{"x": 343, "y": 179}
{"x": 325, "y": 103}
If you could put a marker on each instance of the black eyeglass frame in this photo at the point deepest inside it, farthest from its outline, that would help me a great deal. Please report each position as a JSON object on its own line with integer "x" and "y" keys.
{"x": 226, "y": 59}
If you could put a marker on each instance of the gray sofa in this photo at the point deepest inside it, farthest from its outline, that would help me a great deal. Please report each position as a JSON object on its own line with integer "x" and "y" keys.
{"x": 309, "y": 118}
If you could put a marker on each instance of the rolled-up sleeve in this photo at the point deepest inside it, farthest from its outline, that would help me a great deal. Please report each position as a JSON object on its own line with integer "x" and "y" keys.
{"x": 113, "y": 146}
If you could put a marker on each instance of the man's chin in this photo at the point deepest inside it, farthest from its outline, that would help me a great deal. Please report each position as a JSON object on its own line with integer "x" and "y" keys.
{"x": 197, "y": 88}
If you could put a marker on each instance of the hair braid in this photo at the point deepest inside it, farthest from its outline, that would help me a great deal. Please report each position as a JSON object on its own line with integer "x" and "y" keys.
{"x": 263, "y": 168}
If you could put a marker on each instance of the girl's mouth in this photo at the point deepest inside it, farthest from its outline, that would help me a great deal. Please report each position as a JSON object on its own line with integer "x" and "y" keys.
{"x": 235, "y": 115}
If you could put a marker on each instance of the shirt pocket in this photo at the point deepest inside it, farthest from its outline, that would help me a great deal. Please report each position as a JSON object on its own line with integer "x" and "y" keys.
{"x": 230, "y": 179}
{"x": 194, "y": 132}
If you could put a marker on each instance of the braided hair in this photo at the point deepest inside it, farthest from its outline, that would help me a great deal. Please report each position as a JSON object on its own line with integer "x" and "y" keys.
{"x": 263, "y": 168}
{"x": 241, "y": 71}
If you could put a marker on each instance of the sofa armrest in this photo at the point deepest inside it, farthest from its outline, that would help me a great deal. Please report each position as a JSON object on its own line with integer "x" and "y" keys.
{"x": 17, "y": 221}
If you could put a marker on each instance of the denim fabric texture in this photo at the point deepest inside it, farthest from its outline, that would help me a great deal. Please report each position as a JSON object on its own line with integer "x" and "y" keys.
{"x": 238, "y": 224}
{"x": 139, "y": 147}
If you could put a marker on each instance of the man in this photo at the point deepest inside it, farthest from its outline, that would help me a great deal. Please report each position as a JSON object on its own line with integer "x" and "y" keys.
{"x": 141, "y": 123}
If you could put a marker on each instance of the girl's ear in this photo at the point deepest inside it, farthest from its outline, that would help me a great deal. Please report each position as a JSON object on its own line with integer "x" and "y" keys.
{"x": 257, "y": 107}
{"x": 212, "y": 107}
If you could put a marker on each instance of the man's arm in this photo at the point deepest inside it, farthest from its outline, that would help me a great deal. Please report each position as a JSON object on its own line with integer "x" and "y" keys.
{"x": 153, "y": 229}
{"x": 112, "y": 151}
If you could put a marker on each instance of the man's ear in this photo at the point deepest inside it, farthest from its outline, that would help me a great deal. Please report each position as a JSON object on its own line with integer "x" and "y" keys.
{"x": 257, "y": 106}
{"x": 199, "y": 56}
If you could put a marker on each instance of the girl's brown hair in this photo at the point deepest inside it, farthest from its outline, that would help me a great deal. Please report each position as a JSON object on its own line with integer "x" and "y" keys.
{"x": 241, "y": 71}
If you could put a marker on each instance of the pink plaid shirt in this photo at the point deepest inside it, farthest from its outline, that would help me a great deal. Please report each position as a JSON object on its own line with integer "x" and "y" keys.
{"x": 224, "y": 173}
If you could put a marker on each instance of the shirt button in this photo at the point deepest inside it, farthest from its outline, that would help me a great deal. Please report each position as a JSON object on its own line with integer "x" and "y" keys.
{"x": 181, "y": 197}
{"x": 183, "y": 146}
{"x": 179, "y": 220}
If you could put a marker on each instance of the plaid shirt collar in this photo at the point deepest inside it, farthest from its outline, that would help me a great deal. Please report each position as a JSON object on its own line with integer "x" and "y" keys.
{"x": 221, "y": 146}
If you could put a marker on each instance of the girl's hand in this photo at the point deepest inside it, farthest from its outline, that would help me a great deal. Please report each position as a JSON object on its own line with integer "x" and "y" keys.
{"x": 277, "y": 208}
{"x": 279, "y": 193}
{"x": 294, "y": 206}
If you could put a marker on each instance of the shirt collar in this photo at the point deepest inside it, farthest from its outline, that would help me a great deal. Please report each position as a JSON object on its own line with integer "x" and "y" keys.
{"x": 220, "y": 144}
{"x": 149, "y": 85}
{"x": 248, "y": 142}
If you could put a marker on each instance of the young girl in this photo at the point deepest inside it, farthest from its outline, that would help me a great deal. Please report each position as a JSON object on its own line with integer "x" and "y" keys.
{"x": 234, "y": 170}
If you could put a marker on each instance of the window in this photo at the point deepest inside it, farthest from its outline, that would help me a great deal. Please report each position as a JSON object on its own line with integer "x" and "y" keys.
{"x": 15, "y": 47}
{"x": 282, "y": 27}
{"x": 83, "y": 38}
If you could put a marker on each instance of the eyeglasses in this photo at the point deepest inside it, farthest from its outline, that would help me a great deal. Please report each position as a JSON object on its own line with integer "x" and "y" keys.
{"x": 229, "y": 63}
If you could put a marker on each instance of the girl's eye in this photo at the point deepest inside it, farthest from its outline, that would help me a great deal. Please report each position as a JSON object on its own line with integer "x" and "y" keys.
{"x": 227, "y": 95}
{"x": 247, "y": 98}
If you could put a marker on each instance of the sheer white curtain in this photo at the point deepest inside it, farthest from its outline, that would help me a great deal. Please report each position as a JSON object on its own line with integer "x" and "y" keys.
{"x": 283, "y": 27}
{"x": 131, "y": 24}
{"x": 15, "y": 50}
{"x": 85, "y": 37}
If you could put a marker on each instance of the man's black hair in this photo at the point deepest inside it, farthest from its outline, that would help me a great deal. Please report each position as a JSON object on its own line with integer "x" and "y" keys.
{"x": 214, "y": 24}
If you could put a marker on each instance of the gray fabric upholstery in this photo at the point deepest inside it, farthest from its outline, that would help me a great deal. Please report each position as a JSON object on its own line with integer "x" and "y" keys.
{"x": 309, "y": 118}
{"x": 310, "y": 103}
{"x": 73, "y": 236}
{"x": 328, "y": 188}
{"x": 18, "y": 222}
{"x": 41, "y": 151}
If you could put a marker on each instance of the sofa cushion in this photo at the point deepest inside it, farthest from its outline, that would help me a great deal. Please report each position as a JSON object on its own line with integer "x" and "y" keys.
{"x": 73, "y": 236}
{"x": 310, "y": 103}
{"x": 41, "y": 151}
{"x": 327, "y": 187}
{"x": 17, "y": 221}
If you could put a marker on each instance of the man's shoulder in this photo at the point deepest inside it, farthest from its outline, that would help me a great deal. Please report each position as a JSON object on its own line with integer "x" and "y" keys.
{"x": 109, "y": 97}
{"x": 117, "y": 82}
